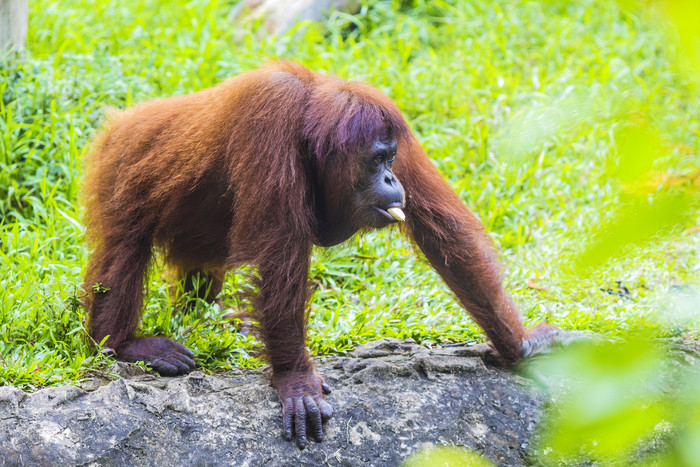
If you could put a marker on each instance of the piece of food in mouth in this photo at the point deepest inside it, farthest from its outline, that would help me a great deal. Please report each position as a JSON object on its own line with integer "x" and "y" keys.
{"x": 397, "y": 214}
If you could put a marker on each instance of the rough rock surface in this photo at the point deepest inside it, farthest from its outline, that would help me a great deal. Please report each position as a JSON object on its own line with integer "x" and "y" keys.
{"x": 391, "y": 398}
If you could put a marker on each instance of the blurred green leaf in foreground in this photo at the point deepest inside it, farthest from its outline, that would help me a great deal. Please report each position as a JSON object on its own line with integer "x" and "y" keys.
{"x": 447, "y": 456}
{"x": 616, "y": 398}
{"x": 612, "y": 400}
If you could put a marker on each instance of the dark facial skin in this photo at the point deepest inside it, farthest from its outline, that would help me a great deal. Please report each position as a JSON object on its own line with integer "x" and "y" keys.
{"x": 377, "y": 188}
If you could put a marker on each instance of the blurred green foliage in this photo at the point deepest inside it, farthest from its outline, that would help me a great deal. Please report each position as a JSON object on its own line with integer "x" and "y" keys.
{"x": 614, "y": 399}
{"x": 446, "y": 456}
{"x": 611, "y": 400}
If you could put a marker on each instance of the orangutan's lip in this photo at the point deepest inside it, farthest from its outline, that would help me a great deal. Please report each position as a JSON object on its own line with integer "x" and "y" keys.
{"x": 392, "y": 216}
{"x": 388, "y": 217}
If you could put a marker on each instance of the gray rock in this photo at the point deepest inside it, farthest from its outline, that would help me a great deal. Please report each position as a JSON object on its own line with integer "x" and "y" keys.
{"x": 391, "y": 398}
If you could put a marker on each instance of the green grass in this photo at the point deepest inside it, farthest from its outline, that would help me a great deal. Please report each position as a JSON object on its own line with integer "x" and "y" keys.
{"x": 517, "y": 103}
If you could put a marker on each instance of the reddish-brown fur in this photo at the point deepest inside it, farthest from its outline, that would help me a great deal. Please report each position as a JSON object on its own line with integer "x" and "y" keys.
{"x": 238, "y": 173}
